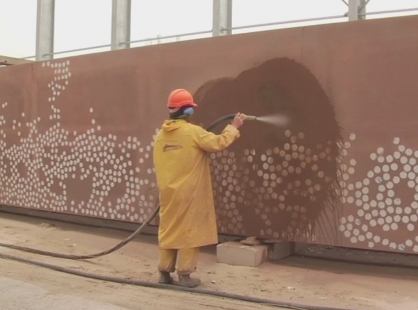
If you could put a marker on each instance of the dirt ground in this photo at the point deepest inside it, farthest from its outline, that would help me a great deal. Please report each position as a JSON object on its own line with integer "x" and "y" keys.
{"x": 294, "y": 279}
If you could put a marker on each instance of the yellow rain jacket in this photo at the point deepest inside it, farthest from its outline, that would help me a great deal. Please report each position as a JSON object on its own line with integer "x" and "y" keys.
{"x": 187, "y": 214}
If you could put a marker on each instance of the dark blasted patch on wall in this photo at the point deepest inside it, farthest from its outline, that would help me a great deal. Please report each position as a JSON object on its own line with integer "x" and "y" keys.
{"x": 279, "y": 178}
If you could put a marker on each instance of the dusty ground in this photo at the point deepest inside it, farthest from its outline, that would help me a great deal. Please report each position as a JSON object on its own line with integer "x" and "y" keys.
{"x": 294, "y": 279}
{"x": 23, "y": 287}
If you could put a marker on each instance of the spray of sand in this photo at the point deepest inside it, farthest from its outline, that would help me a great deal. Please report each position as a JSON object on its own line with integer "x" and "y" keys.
{"x": 275, "y": 119}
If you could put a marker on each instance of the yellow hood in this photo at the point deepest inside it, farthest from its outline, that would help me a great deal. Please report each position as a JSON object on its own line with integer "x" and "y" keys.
{"x": 171, "y": 124}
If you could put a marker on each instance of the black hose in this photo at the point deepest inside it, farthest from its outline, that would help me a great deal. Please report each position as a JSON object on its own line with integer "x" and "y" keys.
{"x": 78, "y": 257}
{"x": 220, "y": 120}
{"x": 95, "y": 276}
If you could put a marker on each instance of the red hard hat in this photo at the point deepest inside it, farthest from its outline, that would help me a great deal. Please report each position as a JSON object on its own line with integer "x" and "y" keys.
{"x": 180, "y": 98}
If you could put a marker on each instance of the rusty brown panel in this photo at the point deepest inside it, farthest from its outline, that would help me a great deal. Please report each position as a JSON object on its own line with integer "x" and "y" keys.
{"x": 343, "y": 172}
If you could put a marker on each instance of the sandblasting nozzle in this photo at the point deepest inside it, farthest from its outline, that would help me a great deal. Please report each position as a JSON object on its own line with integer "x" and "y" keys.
{"x": 250, "y": 118}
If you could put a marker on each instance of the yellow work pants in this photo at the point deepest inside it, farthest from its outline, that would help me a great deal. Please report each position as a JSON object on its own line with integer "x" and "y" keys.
{"x": 186, "y": 260}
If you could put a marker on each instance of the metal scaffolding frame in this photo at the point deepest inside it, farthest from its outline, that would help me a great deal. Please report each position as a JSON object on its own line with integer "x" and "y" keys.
{"x": 45, "y": 29}
{"x": 222, "y": 17}
{"x": 356, "y": 9}
{"x": 121, "y": 24}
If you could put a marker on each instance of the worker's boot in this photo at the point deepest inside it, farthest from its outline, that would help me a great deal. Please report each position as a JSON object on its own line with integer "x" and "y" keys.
{"x": 187, "y": 281}
{"x": 165, "y": 278}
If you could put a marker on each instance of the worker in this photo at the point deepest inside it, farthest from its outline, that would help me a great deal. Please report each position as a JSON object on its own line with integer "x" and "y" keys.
{"x": 187, "y": 213}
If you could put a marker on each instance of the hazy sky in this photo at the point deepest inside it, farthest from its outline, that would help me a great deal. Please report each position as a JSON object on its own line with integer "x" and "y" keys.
{"x": 84, "y": 23}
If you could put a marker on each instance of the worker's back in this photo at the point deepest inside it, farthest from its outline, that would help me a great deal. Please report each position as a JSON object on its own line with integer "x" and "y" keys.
{"x": 176, "y": 155}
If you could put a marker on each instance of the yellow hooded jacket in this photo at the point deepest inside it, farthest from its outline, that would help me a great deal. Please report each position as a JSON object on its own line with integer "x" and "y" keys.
{"x": 187, "y": 214}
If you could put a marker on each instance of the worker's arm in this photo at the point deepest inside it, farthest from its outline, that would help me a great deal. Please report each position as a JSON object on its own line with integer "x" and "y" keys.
{"x": 210, "y": 142}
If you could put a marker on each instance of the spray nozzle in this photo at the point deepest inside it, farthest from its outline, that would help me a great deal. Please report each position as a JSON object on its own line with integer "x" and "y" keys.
{"x": 250, "y": 118}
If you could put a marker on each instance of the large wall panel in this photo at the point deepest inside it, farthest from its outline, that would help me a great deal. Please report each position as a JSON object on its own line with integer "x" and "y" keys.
{"x": 76, "y": 134}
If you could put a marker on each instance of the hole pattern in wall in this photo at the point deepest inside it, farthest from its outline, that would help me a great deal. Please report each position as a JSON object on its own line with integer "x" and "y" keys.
{"x": 385, "y": 201}
{"x": 87, "y": 173}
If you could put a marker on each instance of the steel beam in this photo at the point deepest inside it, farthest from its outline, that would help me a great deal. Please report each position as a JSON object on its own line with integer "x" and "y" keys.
{"x": 362, "y": 9}
{"x": 121, "y": 24}
{"x": 222, "y": 17}
{"x": 357, "y": 9}
{"x": 45, "y": 29}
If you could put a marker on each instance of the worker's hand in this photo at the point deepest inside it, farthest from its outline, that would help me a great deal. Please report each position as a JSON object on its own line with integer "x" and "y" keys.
{"x": 238, "y": 120}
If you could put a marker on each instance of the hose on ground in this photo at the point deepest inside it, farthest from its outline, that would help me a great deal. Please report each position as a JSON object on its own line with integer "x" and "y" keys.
{"x": 79, "y": 257}
{"x": 267, "y": 302}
